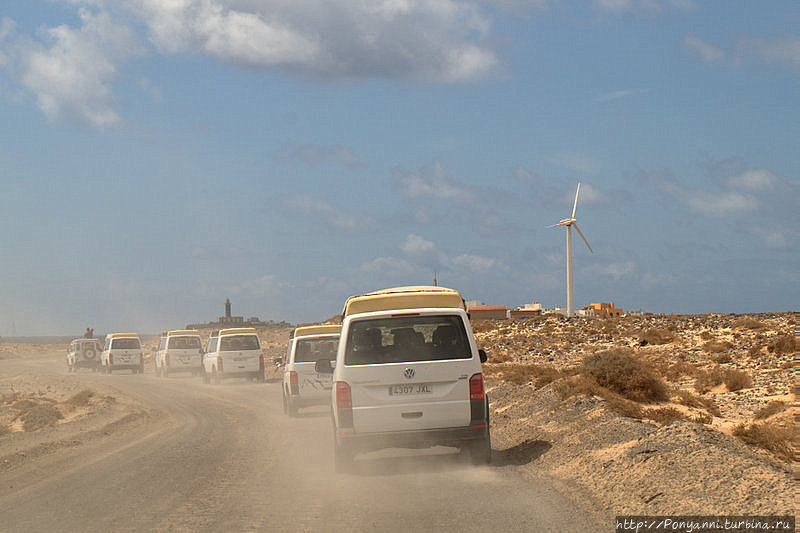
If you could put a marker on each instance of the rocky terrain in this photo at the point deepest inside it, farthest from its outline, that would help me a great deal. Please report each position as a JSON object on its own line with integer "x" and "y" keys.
{"x": 653, "y": 414}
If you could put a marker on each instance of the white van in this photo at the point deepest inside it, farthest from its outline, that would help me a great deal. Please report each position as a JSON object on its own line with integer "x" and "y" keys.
{"x": 83, "y": 353}
{"x": 408, "y": 375}
{"x": 233, "y": 352}
{"x": 122, "y": 351}
{"x": 179, "y": 350}
{"x": 303, "y": 386}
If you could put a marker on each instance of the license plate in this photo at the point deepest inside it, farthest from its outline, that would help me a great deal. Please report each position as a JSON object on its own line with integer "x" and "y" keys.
{"x": 245, "y": 358}
{"x": 410, "y": 390}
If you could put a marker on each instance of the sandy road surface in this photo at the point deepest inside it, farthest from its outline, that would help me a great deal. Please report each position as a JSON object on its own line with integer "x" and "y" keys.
{"x": 225, "y": 458}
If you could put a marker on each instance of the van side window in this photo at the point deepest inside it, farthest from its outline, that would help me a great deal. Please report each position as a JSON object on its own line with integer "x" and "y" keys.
{"x": 212, "y": 345}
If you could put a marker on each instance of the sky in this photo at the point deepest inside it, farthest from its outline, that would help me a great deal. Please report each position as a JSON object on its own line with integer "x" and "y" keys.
{"x": 158, "y": 157}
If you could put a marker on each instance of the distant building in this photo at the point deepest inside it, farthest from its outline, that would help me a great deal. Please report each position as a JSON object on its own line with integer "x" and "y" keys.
{"x": 526, "y": 311}
{"x": 229, "y": 321}
{"x": 474, "y": 303}
{"x": 604, "y": 309}
{"x": 586, "y": 311}
{"x": 488, "y": 312}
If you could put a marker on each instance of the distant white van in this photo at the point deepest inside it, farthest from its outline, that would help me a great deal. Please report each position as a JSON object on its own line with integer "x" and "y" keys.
{"x": 408, "y": 374}
{"x": 179, "y": 350}
{"x": 233, "y": 352}
{"x": 303, "y": 386}
{"x": 122, "y": 351}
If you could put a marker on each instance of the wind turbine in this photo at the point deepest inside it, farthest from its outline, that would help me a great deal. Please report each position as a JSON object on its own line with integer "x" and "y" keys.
{"x": 569, "y": 222}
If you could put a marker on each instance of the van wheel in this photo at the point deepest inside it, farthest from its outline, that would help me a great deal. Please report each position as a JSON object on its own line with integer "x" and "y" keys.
{"x": 214, "y": 376}
{"x": 479, "y": 452}
{"x": 108, "y": 369}
{"x": 206, "y": 379}
{"x": 285, "y": 403}
{"x": 343, "y": 459}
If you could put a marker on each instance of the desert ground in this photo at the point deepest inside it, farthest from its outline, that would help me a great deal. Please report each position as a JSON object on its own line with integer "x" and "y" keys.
{"x": 590, "y": 418}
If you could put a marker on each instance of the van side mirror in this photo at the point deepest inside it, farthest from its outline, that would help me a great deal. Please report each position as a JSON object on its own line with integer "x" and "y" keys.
{"x": 482, "y": 355}
{"x": 277, "y": 361}
{"x": 323, "y": 366}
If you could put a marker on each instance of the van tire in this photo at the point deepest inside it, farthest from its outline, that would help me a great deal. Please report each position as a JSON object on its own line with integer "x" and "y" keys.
{"x": 285, "y": 403}
{"x": 214, "y": 376}
{"x": 479, "y": 452}
{"x": 343, "y": 459}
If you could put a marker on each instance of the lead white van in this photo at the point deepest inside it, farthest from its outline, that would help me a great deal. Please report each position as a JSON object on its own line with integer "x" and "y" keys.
{"x": 122, "y": 351}
{"x": 303, "y": 386}
{"x": 408, "y": 375}
{"x": 179, "y": 350}
{"x": 233, "y": 352}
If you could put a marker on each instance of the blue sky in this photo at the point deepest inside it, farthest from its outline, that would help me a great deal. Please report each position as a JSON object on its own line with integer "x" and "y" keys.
{"x": 158, "y": 157}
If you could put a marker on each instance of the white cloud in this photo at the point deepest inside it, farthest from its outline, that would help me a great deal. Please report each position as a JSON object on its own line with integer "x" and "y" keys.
{"x": 414, "y": 244}
{"x": 478, "y": 263}
{"x": 616, "y": 95}
{"x": 71, "y": 73}
{"x": 782, "y": 51}
{"x": 330, "y": 215}
{"x": 754, "y": 180}
{"x": 706, "y": 51}
{"x": 775, "y": 239}
{"x": 389, "y": 267}
{"x": 622, "y": 6}
{"x": 437, "y": 41}
{"x": 518, "y": 6}
{"x": 432, "y": 183}
{"x": 618, "y": 270}
{"x": 721, "y": 203}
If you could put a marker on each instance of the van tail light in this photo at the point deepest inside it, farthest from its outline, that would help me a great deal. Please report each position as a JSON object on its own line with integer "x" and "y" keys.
{"x": 478, "y": 406}
{"x": 343, "y": 397}
{"x": 110, "y": 358}
{"x": 219, "y": 364}
{"x": 166, "y": 358}
{"x": 476, "y": 387}
{"x": 261, "y": 359}
{"x": 294, "y": 383}
{"x": 344, "y": 407}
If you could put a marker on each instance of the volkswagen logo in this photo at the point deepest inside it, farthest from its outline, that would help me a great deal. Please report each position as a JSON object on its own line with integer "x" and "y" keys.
{"x": 408, "y": 373}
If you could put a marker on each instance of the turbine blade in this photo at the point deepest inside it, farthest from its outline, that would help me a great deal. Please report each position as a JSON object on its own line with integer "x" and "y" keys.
{"x": 575, "y": 205}
{"x": 553, "y": 225}
{"x": 582, "y": 237}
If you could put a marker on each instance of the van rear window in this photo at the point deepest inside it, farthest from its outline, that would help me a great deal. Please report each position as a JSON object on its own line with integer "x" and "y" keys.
{"x": 185, "y": 343}
{"x": 125, "y": 344}
{"x": 406, "y": 339}
{"x": 230, "y": 343}
{"x": 311, "y": 350}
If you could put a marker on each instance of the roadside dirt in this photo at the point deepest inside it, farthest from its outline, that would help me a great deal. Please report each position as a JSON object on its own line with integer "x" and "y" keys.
{"x": 42, "y": 414}
{"x": 688, "y": 453}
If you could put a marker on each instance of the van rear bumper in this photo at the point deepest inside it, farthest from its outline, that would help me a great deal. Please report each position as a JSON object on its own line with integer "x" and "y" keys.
{"x": 424, "y": 438}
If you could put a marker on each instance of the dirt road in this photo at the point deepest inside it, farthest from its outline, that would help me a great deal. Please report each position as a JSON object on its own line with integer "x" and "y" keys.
{"x": 225, "y": 458}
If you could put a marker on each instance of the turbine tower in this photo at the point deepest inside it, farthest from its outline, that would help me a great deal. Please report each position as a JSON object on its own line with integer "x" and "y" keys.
{"x": 569, "y": 222}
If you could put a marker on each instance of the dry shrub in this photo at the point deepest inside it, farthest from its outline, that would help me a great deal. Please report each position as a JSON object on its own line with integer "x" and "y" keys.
{"x": 749, "y": 323}
{"x": 703, "y": 419}
{"x": 737, "y": 379}
{"x": 664, "y": 415}
{"x": 81, "y": 398}
{"x": 24, "y": 404}
{"x": 785, "y": 344}
{"x": 538, "y": 375}
{"x": 705, "y": 380}
{"x": 772, "y": 408}
{"x": 706, "y": 336}
{"x": 40, "y": 416}
{"x": 780, "y": 440}
{"x": 676, "y": 371}
{"x": 685, "y": 397}
{"x": 621, "y": 372}
{"x": 754, "y": 351}
{"x": 724, "y": 357}
{"x": 5, "y": 429}
{"x": 482, "y": 326}
{"x": 656, "y": 336}
{"x": 624, "y": 407}
{"x": 717, "y": 346}
{"x": 578, "y": 384}
{"x": 496, "y": 356}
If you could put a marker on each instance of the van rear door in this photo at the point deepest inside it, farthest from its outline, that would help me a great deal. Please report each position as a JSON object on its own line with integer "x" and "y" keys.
{"x": 409, "y": 371}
